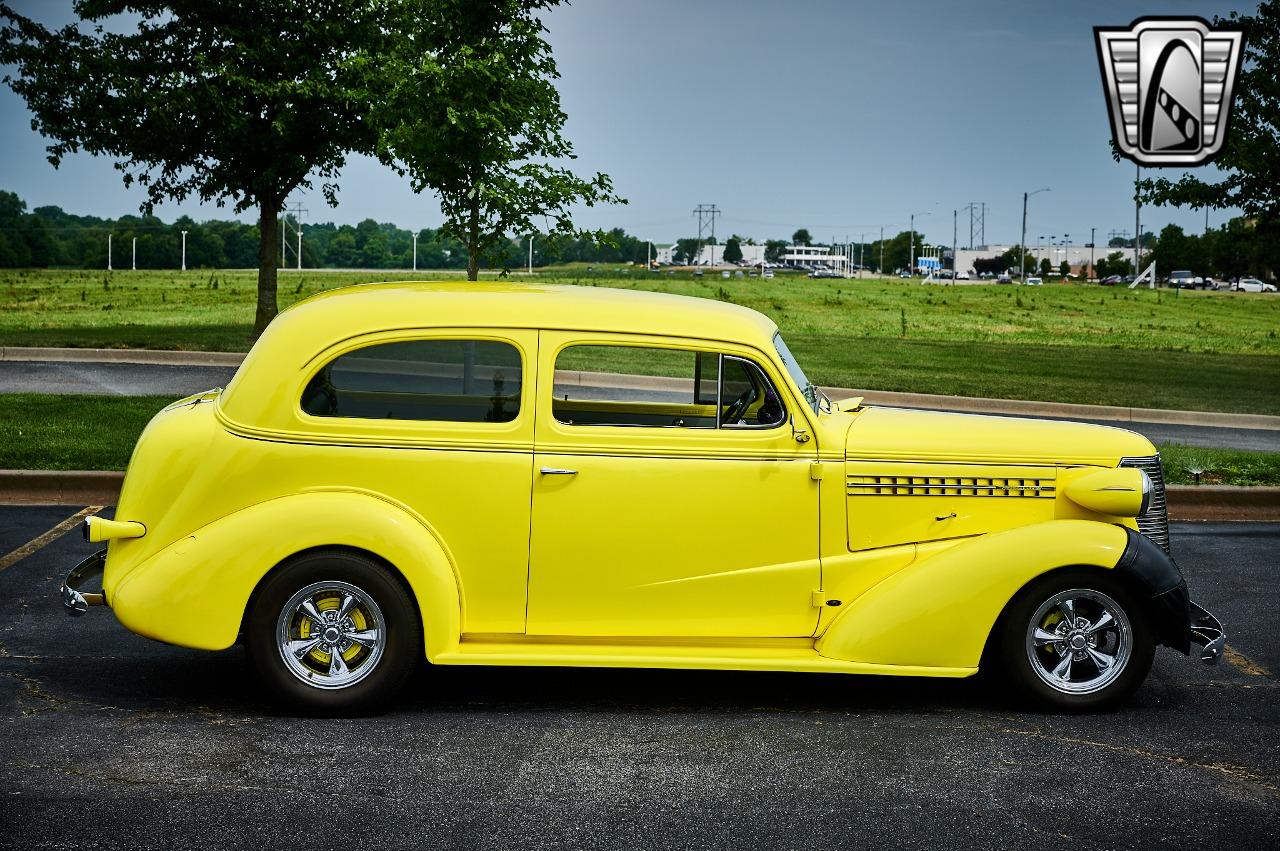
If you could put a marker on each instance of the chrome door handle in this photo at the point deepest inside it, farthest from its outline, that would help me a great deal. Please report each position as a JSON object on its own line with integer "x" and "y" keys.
{"x": 557, "y": 471}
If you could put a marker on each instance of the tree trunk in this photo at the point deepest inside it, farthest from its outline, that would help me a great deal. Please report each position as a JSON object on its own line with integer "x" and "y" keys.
{"x": 473, "y": 242}
{"x": 268, "y": 249}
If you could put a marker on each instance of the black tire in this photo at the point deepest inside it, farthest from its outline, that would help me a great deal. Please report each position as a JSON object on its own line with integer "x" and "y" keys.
{"x": 1012, "y": 657}
{"x": 401, "y": 644}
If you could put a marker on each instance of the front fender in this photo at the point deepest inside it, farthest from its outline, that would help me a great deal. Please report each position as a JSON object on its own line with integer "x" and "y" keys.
{"x": 938, "y": 612}
{"x": 194, "y": 592}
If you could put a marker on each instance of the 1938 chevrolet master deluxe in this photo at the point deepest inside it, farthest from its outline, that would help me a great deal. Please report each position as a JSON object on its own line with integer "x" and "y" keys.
{"x": 530, "y": 475}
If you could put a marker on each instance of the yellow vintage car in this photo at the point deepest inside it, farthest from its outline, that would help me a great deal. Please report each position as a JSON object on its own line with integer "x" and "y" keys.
{"x": 495, "y": 474}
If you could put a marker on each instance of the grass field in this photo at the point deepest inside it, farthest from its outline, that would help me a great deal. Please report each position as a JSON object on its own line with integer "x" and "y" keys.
{"x": 98, "y": 433}
{"x": 1067, "y": 343}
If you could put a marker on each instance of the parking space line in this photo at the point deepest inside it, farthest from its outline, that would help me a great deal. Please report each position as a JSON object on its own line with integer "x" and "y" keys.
{"x": 1242, "y": 663}
{"x": 52, "y": 535}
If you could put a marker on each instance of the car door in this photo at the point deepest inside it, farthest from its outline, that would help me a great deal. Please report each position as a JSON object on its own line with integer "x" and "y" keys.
{"x": 652, "y": 515}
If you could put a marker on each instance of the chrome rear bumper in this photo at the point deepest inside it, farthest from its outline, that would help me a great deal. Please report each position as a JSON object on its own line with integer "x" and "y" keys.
{"x": 1207, "y": 632}
{"x": 75, "y": 601}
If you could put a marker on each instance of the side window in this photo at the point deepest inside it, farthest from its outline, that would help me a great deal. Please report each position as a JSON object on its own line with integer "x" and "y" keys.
{"x": 467, "y": 381}
{"x": 747, "y": 397}
{"x": 661, "y": 388}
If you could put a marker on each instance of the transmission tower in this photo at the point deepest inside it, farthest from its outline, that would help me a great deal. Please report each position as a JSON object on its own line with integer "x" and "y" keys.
{"x": 706, "y": 214}
{"x": 977, "y": 222}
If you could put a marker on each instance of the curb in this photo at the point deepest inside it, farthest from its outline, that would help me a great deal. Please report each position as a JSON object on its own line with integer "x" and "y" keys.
{"x": 60, "y": 487}
{"x": 967, "y": 404}
{"x": 143, "y": 356}
{"x": 99, "y": 487}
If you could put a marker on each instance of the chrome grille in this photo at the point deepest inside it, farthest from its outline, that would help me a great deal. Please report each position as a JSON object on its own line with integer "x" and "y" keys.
{"x": 1155, "y": 523}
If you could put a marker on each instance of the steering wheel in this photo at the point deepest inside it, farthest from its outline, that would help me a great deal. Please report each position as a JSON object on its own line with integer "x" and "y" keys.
{"x": 738, "y": 407}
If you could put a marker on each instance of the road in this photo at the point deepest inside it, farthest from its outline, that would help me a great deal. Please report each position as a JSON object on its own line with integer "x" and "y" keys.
{"x": 125, "y": 379}
{"x": 108, "y": 740}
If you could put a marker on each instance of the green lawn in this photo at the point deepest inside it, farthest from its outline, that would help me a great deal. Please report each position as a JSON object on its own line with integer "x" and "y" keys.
{"x": 98, "y": 432}
{"x": 1066, "y": 343}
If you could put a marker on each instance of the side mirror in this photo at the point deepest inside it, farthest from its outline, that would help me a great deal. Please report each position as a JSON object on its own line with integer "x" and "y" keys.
{"x": 800, "y": 435}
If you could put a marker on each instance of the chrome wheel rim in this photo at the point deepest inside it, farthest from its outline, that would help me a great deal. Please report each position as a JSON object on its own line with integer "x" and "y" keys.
{"x": 1079, "y": 641}
{"x": 331, "y": 635}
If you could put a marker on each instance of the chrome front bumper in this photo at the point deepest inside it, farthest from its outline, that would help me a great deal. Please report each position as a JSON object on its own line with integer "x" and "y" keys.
{"x": 75, "y": 601}
{"x": 1207, "y": 632}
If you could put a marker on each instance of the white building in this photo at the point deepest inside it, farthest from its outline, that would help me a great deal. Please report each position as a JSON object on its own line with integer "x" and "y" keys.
{"x": 1077, "y": 256}
{"x": 753, "y": 255}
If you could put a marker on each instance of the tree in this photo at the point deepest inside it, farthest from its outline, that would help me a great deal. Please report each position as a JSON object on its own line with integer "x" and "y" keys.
{"x": 686, "y": 250}
{"x": 732, "y": 250}
{"x": 475, "y": 116}
{"x": 774, "y": 250}
{"x": 1064, "y": 268}
{"x": 1011, "y": 261}
{"x": 244, "y": 106}
{"x": 1045, "y": 266}
{"x": 1250, "y": 158}
{"x": 801, "y": 237}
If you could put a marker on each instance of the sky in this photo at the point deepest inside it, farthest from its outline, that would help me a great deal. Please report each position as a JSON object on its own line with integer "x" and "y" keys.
{"x": 839, "y": 116}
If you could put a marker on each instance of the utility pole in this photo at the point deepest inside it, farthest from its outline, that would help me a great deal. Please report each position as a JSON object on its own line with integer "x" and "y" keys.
{"x": 299, "y": 257}
{"x": 108, "y": 252}
{"x": 648, "y": 256}
{"x": 1022, "y": 247}
{"x": 415, "y": 251}
{"x": 184, "y": 251}
{"x": 1093, "y": 244}
{"x": 1137, "y": 225}
{"x": 530, "y": 254}
{"x": 135, "y": 254}
{"x": 955, "y": 267}
{"x": 706, "y": 214}
{"x": 881, "y": 269}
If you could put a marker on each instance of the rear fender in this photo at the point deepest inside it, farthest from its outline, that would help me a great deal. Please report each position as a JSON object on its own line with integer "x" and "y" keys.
{"x": 938, "y": 612}
{"x": 194, "y": 592}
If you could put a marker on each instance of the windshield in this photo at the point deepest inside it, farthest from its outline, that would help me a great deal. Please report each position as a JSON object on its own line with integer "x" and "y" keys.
{"x": 817, "y": 399}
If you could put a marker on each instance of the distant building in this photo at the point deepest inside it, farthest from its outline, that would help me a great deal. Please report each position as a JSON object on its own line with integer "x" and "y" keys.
{"x": 753, "y": 255}
{"x": 1077, "y": 256}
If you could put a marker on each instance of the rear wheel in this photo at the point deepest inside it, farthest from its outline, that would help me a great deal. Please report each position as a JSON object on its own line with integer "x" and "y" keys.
{"x": 1075, "y": 640}
{"x": 333, "y": 633}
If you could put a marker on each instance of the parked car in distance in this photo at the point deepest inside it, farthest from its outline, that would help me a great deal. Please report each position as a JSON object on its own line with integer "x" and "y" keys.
{"x": 962, "y": 276}
{"x": 767, "y": 273}
{"x": 1004, "y": 278}
{"x": 1184, "y": 279}
{"x": 489, "y": 474}
{"x": 1034, "y": 281}
{"x": 1111, "y": 280}
{"x": 1254, "y": 285}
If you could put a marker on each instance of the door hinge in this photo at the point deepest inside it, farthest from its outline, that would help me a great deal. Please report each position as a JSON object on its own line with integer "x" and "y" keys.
{"x": 815, "y": 470}
{"x": 821, "y": 599}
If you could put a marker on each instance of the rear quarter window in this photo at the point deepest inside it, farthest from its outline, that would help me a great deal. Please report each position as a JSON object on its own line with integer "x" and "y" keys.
{"x": 441, "y": 380}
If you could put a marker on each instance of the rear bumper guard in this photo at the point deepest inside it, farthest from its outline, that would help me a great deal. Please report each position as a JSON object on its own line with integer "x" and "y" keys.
{"x": 1207, "y": 632}
{"x": 75, "y": 601}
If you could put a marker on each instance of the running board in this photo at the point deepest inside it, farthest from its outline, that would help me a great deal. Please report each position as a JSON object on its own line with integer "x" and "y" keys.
{"x": 593, "y": 653}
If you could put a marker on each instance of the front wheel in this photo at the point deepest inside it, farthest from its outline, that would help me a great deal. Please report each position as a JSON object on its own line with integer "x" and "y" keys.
{"x": 1075, "y": 640}
{"x": 333, "y": 633}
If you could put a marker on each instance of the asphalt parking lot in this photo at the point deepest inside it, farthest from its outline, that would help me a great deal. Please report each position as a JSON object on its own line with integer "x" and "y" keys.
{"x": 110, "y": 740}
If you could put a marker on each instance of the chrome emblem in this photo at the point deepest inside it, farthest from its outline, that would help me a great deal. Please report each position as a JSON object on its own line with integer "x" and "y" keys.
{"x": 1170, "y": 84}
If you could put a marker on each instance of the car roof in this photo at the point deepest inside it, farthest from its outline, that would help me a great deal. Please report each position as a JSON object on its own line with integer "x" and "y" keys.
{"x": 313, "y": 325}
{"x": 509, "y": 304}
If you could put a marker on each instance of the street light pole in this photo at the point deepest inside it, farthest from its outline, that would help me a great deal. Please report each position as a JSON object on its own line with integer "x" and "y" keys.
{"x": 108, "y": 252}
{"x": 1022, "y": 248}
{"x": 530, "y": 254}
{"x": 912, "y": 269}
{"x": 954, "y": 266}
{"x": 415, "y": 251}
{"x": 134, "y": 263}
{"x": 184, "y": 251}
